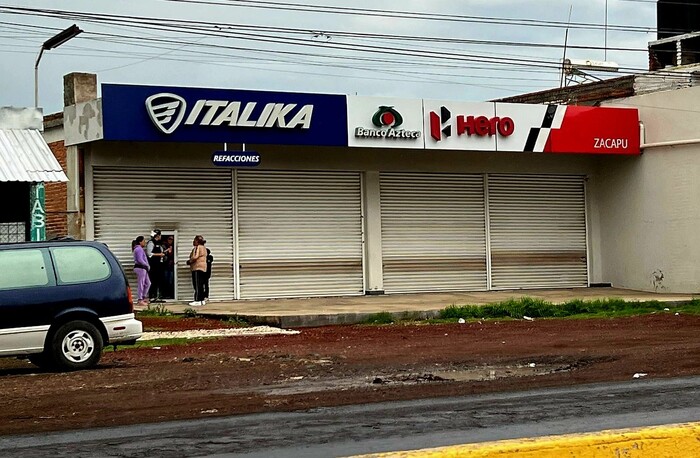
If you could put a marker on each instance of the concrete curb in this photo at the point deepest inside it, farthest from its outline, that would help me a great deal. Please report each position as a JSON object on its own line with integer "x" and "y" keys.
{"x": 310, "y": 312}
{"x": 668, "y": 441}
{"x": 289, "y": 320}
{"x": 301, "y": 321}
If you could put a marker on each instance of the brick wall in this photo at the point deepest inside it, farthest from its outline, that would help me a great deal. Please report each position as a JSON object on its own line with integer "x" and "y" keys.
{"x": 56, "y": 198}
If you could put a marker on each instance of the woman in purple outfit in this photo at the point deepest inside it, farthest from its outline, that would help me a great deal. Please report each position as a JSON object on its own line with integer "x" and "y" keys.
{"x": 141, "y": 269}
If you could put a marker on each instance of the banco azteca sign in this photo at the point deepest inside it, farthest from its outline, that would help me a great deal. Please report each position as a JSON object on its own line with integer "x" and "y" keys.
{"x": 387, "y": 120}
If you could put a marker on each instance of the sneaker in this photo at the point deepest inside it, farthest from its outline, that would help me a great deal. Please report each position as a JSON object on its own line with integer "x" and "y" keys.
{"x": 196, "y": 303}
{"x": 204, "y": 301}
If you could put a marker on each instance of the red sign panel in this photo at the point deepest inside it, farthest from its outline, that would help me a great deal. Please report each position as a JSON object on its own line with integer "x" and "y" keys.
{"x": 596, "y": 130}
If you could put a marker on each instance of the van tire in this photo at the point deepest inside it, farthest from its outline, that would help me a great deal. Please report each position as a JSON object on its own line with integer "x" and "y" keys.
{"x": 76, "y": 345}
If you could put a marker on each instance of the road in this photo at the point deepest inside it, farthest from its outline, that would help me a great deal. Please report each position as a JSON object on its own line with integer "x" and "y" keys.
{"x": 368, "y": 428}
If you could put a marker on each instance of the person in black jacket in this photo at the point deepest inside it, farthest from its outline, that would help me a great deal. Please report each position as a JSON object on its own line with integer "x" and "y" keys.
{"x": 207, "y": 275}
{"x": 154, "y": 251}
{"x": 169, "y": 268}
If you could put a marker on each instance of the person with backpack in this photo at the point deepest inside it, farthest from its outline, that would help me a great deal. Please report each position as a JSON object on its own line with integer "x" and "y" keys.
{"x": 207, "y": 274}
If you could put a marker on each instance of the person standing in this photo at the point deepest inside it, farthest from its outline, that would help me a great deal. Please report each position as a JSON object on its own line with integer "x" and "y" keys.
{"x": 141, "y": 269}
{"x": 154, "y": 251}
{"x": 207, "y": 274}
{"x": 169, "y": 267}
{"x": 198, "y": 265}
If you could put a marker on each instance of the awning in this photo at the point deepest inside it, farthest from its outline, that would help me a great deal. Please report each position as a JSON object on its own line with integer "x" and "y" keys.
{"x": 25, "y": 156}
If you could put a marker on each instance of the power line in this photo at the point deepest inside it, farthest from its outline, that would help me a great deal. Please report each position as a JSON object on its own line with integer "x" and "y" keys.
{"x": 155, "y": 23}
{"x": 226, "y": 31}
{"x": 288, "y": 6}
{"x": 129, "y": 22}
{"x": 223, "y": 27}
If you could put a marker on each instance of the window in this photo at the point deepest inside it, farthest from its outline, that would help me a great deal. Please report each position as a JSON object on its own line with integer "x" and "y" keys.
{"x": 22, "y": 269}
{"x": 12, "y": 232}
{"x": 80, "y": 264}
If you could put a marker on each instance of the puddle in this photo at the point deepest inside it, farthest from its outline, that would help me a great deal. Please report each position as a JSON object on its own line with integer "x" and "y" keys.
{"x": 496, "y": 372}
{"x": 302, "y": 385}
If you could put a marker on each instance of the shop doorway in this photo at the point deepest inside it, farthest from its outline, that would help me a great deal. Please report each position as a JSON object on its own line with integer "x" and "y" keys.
{"x": 170, "y": 277}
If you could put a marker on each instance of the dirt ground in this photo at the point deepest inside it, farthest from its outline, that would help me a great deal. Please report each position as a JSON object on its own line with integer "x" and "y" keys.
{"x": 340, "y": 365}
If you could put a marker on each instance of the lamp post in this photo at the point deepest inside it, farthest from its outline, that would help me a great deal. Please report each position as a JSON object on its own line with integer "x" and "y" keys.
{"x": 37, "y": 208}
{"x": 53, "y": 42}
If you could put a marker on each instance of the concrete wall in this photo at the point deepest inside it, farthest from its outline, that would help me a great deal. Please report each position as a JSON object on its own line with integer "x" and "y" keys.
{"x": 650, "y": 206}
{"x": 56, "y": 213}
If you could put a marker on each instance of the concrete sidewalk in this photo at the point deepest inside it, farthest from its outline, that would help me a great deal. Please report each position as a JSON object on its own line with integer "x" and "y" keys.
{"x": 320, "y": 311}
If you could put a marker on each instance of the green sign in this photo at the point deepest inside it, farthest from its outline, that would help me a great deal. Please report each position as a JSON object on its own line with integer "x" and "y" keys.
{"x": 37, "y": 203}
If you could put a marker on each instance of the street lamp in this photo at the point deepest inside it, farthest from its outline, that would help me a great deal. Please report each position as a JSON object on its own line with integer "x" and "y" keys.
{"x": 53, "y": 42}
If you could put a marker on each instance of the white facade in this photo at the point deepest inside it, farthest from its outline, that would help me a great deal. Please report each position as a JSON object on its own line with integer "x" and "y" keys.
{"x": 409, "y": 206}
{"x": 649, "y": 206}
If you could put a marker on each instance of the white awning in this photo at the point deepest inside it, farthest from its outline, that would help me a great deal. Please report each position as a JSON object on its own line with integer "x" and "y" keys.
{"x": 25, "y": 156}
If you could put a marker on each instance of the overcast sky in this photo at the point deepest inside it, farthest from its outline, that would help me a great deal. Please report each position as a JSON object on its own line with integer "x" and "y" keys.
{"x": 367, "y": 48}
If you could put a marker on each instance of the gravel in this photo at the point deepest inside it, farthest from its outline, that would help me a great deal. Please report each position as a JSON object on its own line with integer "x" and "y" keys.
{"x": 225, "y": 332}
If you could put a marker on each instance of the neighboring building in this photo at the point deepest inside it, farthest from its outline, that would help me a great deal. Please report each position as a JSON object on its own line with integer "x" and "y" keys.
{"x": 56, "y": 193}
{"x": 26, "y": 163}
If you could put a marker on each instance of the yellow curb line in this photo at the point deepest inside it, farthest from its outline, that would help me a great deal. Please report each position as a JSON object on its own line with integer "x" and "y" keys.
{"x": 668, "y": 441}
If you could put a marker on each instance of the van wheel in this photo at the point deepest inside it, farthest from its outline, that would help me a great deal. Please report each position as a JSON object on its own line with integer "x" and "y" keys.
{"x": 76, "y": 345}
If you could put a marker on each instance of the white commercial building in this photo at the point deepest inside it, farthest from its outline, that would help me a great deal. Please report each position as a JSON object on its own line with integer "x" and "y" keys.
{"x": 322, "y": 195}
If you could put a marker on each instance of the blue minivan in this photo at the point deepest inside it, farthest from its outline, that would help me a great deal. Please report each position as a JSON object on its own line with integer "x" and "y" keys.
{"x": 62, "y": 301}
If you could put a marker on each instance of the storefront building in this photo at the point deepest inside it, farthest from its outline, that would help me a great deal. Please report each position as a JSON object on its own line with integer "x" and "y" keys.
{"x": 325, "y": 195}
{"x": 26, "y": 163}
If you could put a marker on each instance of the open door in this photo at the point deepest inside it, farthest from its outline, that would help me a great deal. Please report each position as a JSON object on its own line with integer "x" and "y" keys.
{"x": 170, "y": 241}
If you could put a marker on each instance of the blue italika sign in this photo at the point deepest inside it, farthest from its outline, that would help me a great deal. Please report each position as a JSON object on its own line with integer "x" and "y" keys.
{"x": 168, "y": 114}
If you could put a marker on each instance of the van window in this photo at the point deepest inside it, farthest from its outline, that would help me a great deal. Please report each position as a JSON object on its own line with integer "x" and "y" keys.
{"x": 80, "y": 264}
{"x": 22, "y": 269}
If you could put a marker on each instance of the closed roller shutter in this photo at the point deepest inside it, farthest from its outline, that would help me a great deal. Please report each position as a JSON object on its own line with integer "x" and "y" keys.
{"x": 433, "y": 232}
{"x": 538, "y": 231}
{"x": 128, "y": 202}
{"x": 300, "y": 234}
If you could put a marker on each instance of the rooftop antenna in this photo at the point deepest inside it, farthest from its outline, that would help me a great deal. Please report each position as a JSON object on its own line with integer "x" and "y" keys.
{"x": 566, "y": 39}
{"x": 605, "y": 48}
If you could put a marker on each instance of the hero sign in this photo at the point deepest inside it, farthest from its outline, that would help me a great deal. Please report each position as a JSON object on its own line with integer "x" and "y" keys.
{"x": 441, "y": 125}
{"x": 481, "y": 125}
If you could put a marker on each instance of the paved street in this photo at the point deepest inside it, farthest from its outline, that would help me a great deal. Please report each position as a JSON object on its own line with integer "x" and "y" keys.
{"x": 385, "y": 426}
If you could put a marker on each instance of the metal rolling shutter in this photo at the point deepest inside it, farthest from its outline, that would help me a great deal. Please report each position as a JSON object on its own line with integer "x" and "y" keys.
{"x": 433, "y": 232}
{"x": 129, "y": 201}
{"x": 300, "y": 234}
{"x": 538, "y": 231}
